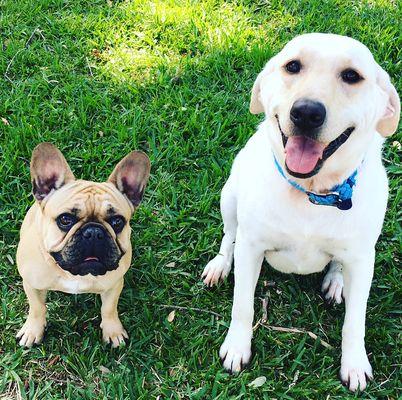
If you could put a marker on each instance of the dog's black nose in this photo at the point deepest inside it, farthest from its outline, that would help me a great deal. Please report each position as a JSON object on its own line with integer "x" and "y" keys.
{"x": 93, "y": 232}
{"x": 307, "y": 114}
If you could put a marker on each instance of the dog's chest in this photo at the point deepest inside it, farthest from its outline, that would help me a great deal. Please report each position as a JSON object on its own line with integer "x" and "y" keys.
{"x": 300, "y": 257}
{"x": 298, "y": 242}
{"x": 72, "y": 286}
{"x": 77, "y": 285}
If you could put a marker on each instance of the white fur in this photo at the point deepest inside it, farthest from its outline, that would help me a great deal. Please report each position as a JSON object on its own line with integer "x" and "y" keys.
{"x": 266, "y": 217}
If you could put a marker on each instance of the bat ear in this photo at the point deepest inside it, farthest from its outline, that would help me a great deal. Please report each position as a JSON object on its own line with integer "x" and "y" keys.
{"x": 130, "y": 176}
{"x": 388, "y": 123}
{"x": 49, "y": 170}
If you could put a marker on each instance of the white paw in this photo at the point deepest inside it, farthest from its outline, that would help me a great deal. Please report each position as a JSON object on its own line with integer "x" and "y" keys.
{"x": 356, "y": 371}
{"x": 217, "y": 269}
{"x": 113, "y": 332}
{"x": 236, "y": 350}
{"x": 332, "y": 286}
{"x": 31, "y": 332}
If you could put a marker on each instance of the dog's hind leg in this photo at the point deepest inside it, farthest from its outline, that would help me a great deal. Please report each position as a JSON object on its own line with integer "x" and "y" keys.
{"x": 219, "y": 267}
{"x": 332, "y": 285}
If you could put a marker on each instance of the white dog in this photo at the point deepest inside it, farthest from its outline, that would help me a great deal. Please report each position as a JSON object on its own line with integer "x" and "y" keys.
{"x": 309, "y": 187}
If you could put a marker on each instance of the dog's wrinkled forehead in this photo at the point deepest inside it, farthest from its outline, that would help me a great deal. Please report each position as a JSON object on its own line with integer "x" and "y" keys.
{"x": 88, "y": 199}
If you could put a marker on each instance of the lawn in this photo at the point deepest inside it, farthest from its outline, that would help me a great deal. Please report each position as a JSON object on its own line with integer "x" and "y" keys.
{"x": 172, "y": 78}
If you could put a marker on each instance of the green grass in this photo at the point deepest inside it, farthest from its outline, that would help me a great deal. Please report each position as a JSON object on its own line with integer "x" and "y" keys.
{"x": 172, "y": 78}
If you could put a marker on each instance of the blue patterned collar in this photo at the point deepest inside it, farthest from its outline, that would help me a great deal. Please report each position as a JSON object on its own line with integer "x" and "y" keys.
{"x": 339, "y": 196}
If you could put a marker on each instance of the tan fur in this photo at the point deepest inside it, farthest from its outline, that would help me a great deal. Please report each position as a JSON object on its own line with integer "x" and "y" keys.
{"x": 40, "y": 236}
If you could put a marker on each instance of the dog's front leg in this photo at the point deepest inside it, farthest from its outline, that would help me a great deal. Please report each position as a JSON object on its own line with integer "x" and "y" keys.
{"x": 34, "y": 327}
{"x": 236, "y": 349}
{"x": 112, "y": 329}
{"x": 355, "y": 366}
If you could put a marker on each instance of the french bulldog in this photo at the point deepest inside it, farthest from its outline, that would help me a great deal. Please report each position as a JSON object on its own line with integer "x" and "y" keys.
{"x": 76, "y": 237}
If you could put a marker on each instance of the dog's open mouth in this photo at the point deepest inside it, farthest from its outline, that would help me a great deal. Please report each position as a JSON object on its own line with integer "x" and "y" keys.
{"x": 305, "y": 156}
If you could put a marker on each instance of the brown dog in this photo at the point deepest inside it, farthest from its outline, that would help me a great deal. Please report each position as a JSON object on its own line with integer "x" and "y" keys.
{"x": 76, "y": 237}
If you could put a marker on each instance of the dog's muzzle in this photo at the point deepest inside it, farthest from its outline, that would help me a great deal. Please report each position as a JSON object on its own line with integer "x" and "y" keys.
{"x": 90, "y": 251}
{"x": 305, "y": 155}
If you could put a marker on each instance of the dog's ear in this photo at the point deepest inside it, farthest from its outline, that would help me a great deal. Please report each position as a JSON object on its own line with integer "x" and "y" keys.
{"x": 49, "y": 170}
{"x": 388, "y": 123}
{"x": 256, "y": 106}
{"x": 130, "y": 176}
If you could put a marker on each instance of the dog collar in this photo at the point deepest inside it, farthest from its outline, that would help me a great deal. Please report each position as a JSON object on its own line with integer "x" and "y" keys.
{"x": 339, "y": 196}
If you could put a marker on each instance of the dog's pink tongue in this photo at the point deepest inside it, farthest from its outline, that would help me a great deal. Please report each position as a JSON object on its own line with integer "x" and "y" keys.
{"x": 302, "y": 154}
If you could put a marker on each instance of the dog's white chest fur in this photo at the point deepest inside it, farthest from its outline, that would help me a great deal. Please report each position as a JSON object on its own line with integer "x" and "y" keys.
{"x": 300, "y": 237}
{"x": 73, "y": 286}
{"x": 302, "y": 251}
{"x": 299, "y": 259}
{"x": 67, "y": 283}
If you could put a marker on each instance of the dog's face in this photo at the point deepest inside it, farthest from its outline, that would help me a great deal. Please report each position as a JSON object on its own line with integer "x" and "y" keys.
{"x": 85, "y": 225}
{"x": 326, "y": 96}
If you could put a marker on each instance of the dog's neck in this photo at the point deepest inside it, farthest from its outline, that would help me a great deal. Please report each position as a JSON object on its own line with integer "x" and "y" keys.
{"x": 339, "y": 196}
{"x": 332, "y": 172}
{"x": 324, "y": 181}
{"x": 328, "y": 177}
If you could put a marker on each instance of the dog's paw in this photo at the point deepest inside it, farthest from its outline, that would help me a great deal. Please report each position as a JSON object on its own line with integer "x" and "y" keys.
{"x": 235, "y": 351}
{"x": 113, "y": 332}
{"x": 217, "y": 269}
{"x": 332, "y": 287}
{"x": 31, "y": 332}
{"x": 356, "y": 372}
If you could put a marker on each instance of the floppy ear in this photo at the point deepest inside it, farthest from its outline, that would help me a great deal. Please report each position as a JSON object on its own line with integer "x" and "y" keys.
{"x": 130, "y": 176}
{"x": 388, "y": 123}
{"x": 256, "y": 106}
{"x": 49, "y": 170}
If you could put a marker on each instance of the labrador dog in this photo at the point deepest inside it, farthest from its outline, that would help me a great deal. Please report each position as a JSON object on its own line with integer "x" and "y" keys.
{"x": 309, "y": 188}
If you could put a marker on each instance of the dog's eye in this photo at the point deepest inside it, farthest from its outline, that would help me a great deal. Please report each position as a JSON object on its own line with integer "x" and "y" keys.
{"x": 351, "y": 76}
{"x": 293, "y": 67}
{"x": 66, "y": 221}
{"x": 117, "y": 223}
